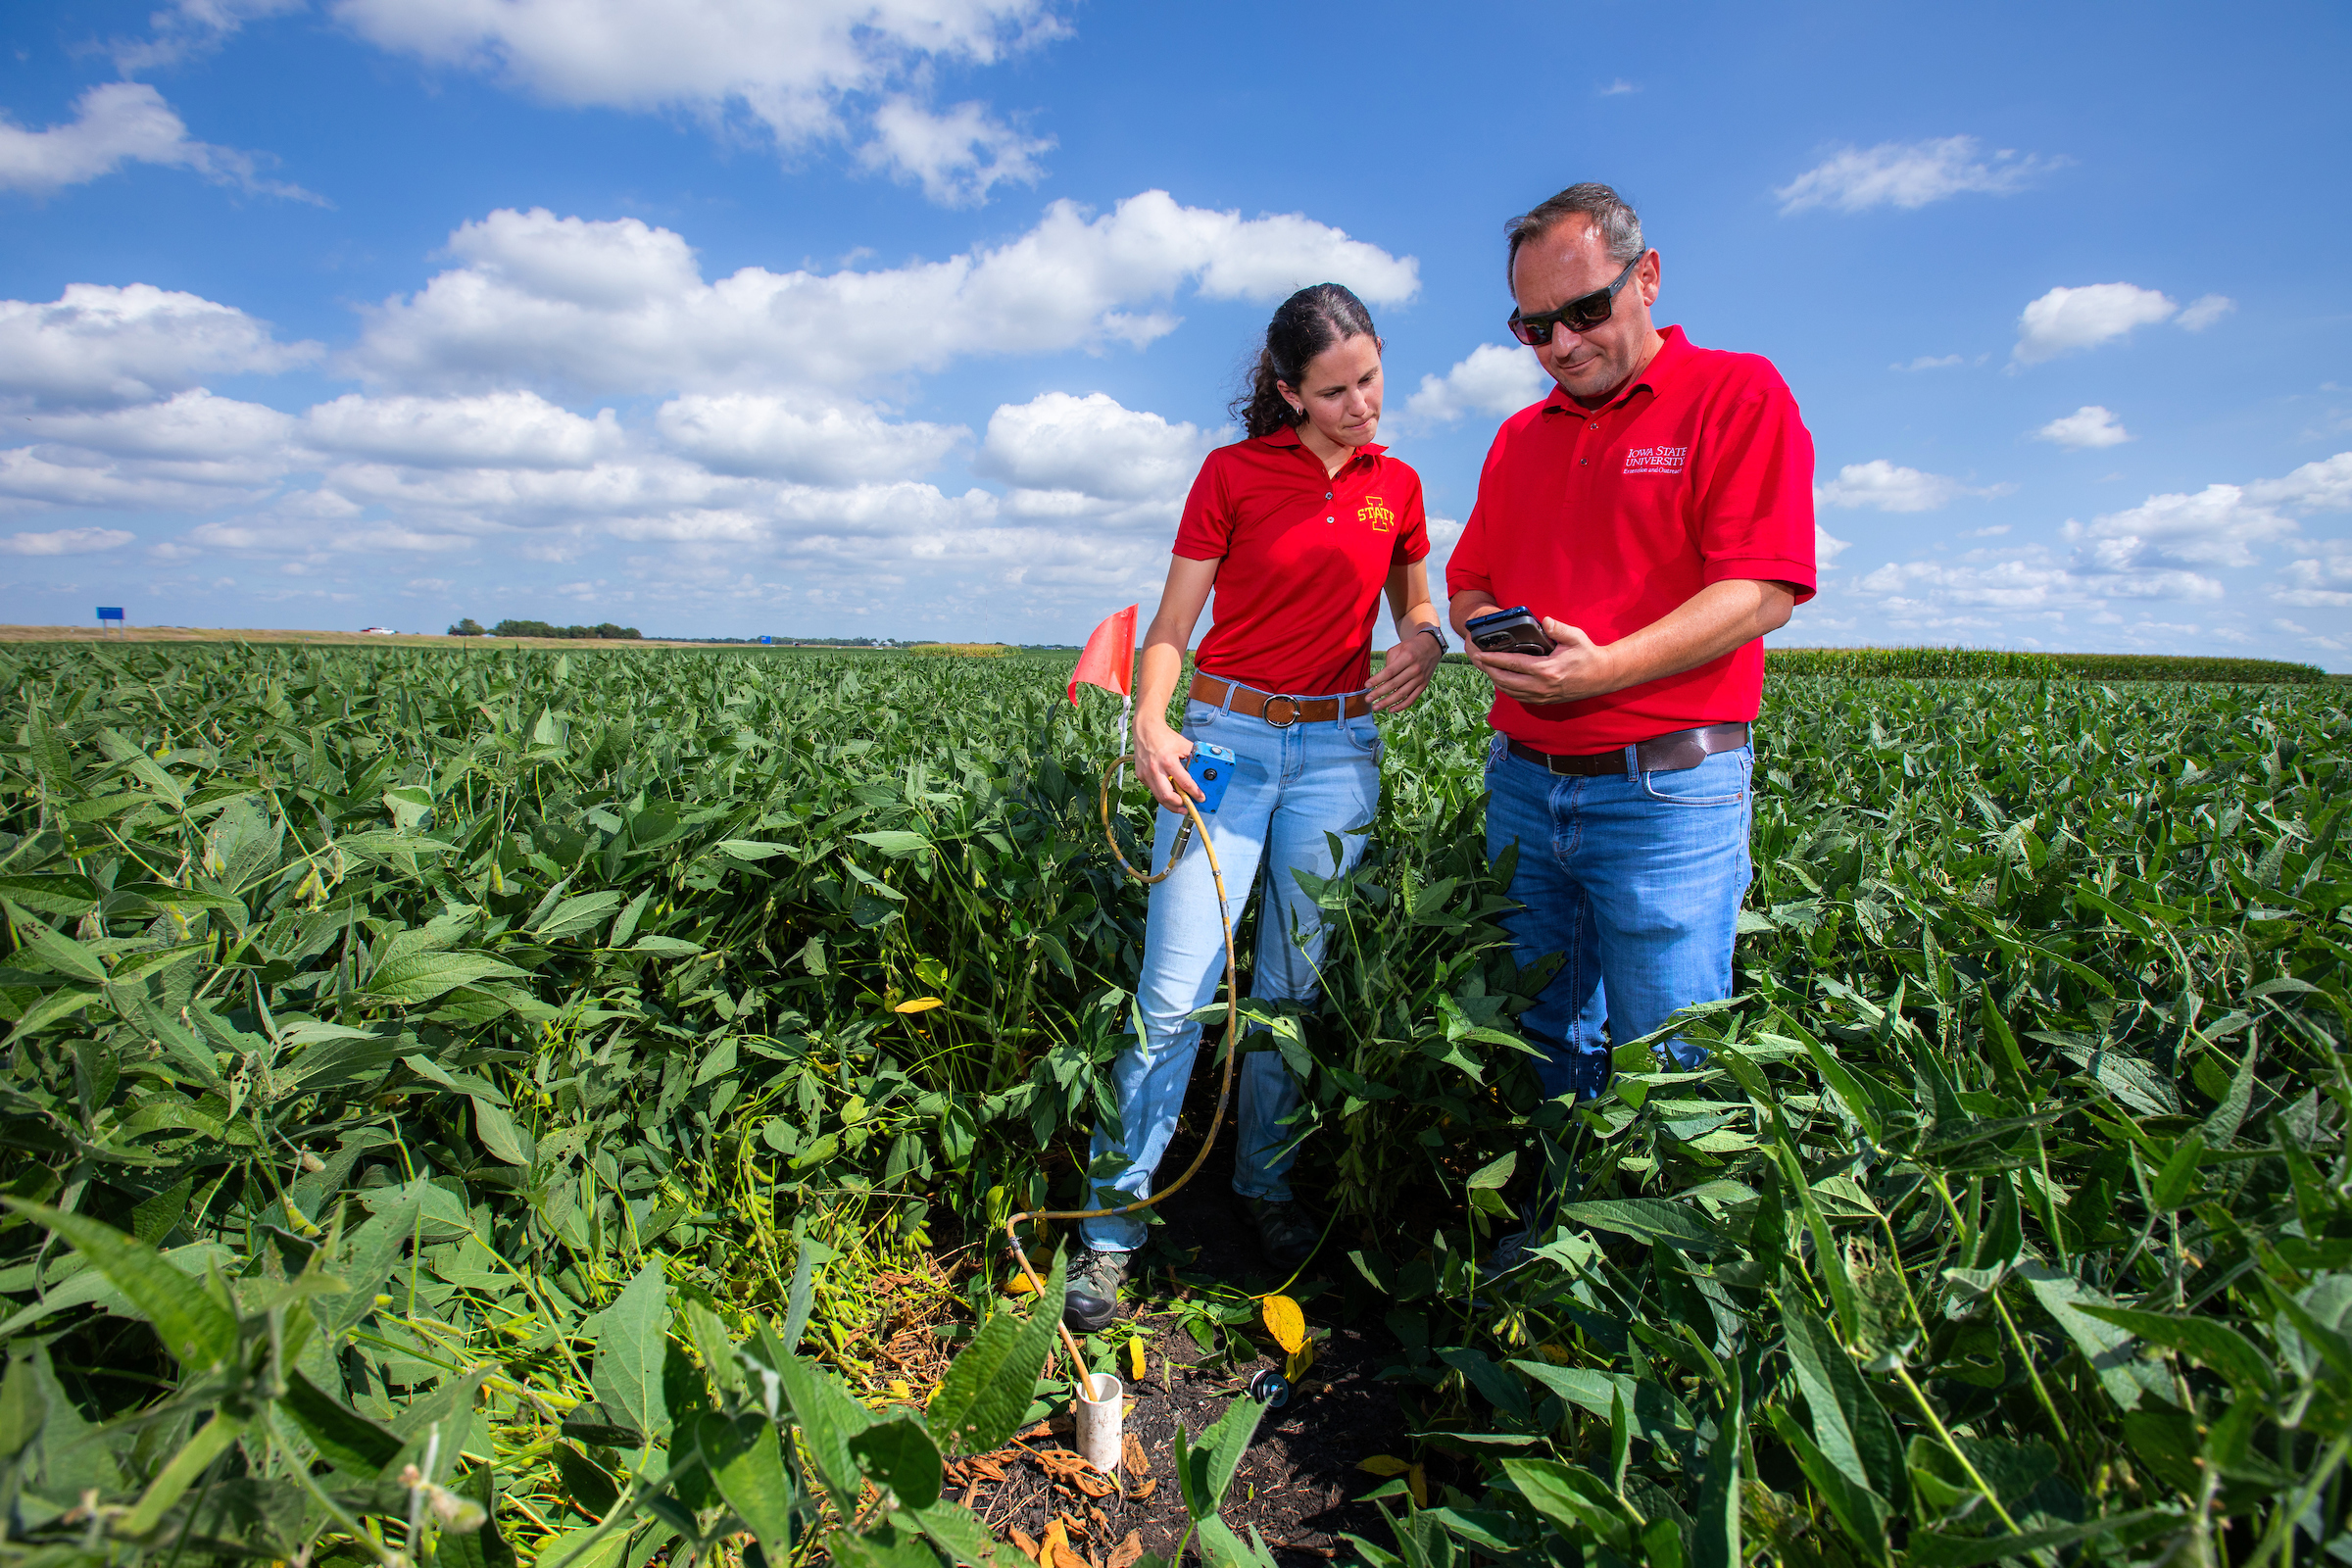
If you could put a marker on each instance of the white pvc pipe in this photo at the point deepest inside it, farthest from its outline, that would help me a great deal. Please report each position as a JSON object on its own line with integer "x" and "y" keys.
{"x": 1102, "y": 1422}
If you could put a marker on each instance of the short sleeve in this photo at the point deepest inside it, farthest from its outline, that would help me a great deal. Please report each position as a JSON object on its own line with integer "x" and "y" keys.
{"x": 1468, "y": 569}
{"x": 1413, "y": 535}
{"x": 1756, "y": 505}
{"x": 1205, "y": 531}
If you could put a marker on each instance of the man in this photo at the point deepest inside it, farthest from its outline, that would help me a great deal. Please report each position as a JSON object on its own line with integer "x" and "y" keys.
{"x": 1655, "y": 515}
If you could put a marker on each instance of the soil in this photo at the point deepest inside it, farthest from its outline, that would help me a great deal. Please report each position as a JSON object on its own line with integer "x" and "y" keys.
{"x": 1298, "y": 1484}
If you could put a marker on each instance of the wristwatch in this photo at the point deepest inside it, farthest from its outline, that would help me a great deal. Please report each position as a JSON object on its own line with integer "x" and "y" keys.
{"x": 1443, "y": 647}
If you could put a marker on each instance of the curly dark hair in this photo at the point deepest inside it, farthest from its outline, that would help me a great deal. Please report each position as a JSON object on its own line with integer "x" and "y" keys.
{"x": 1306, "y": 323}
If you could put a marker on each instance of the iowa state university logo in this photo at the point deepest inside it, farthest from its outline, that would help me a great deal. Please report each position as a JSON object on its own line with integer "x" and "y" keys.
{"x": 1378, "y": 515}
{"x": 1655, "y": 459}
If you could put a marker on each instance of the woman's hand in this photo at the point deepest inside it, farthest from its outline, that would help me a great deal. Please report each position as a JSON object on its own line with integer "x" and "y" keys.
{"x": 1159, "y": 758}
{"x": 1405, "y": 673}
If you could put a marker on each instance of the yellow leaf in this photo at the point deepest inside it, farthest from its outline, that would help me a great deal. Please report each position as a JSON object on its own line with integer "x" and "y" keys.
{"x": 919, "y": 1005}
{"x": 1284, "y": 1321}
{"x": 1419, "y": 1483}
{"x": 1556, "y": 1354}
{"x": 900, "y": 1390}
{"x": 1019, "y": 1285}
{"x": 1135, "y": 1359}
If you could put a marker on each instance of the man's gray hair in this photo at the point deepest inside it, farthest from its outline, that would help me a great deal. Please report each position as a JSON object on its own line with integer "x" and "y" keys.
{"x": 1619, "y": 225}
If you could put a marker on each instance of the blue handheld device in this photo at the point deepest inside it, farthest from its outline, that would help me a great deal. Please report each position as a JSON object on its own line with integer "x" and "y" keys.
{"x": 1212, "y": 767}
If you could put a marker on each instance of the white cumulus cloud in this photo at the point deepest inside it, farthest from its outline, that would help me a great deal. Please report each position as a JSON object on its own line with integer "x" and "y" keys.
{"x": 2090, "y": 425}
{"x": 188, "y": 426}
{"x": 2029, "y": 579}
{"x": 497, "y": 429}
{"x": 1888, "y": 487}
{"x": 808, "y": 439}
{"x": 799, "y": 72}
{"x": 1495, "y": 378}
{"x": 1081, "y": 456}
{"x": 119, "y": 123}
{"x": 597, "y": 306}
{"x": 97, "y": 345}
{"x": 2320, "y": 579}
{"x": 1909, "y": 174}
{"x": 956, "y": 157}
{"x": 64, "y": 542}
{"x": 2217, "y": 527}
{"x": 2068, "y": 318}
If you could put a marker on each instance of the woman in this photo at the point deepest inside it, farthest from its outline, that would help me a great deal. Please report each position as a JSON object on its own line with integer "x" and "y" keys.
{"x": 1299, "y": 528}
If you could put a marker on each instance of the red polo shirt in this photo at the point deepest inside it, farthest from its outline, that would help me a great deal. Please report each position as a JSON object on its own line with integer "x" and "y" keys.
{"x": 1698, "y": 471}
{"x": 1306, "y": 555}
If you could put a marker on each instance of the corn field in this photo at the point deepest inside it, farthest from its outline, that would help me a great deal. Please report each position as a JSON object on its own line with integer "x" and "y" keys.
{"x": 464, "y": 1107}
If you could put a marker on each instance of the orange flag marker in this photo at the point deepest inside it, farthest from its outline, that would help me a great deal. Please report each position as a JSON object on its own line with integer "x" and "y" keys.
{"x": 1109, "y": 658}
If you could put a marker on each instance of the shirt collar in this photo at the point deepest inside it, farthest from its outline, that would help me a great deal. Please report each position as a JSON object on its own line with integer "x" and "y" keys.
{"x": 1288, "y": 436}
{"x": 1673, "y": 349}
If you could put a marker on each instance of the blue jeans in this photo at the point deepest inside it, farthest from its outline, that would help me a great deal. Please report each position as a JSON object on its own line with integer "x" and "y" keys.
{"x": 1634, "y": 879}
{"x": 1291, "y": 788}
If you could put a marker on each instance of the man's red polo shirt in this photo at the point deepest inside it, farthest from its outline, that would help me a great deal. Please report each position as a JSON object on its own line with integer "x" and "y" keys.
{"x": 1698, "y": 471}
{"x": 1305, "y": 556}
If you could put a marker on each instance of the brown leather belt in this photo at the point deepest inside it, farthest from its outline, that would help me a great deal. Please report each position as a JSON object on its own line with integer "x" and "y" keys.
{"x": 1661, "y": 754}
{"x": 1266, "y": 704}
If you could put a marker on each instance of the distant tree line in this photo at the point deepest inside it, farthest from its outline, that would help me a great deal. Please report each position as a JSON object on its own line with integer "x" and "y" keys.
{"x": 470, "y": 627}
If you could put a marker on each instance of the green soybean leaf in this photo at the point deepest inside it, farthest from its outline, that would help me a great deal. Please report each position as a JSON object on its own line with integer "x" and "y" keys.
{"x": 900, "y": 1454}
{"x": 195, "y": 1456}
{"x": 1930, "y": 1549}
{"x": 1859, "y": 1511}
{"x": 1213, "y": 1461}
{"x": 1574, "y": 1500}
{"x": 746, "y": 1461}
{"x": 24, "y": 1405}
{"x": 629, "y": 1353}
{"x": 2106, "y": 1347}
{"x": 345, "y": 1439}
{"x": 830, "y": 1419}
{"x": 416, "y": 977}
{"x": 957, "y": 1532}
{"x": 1850, "y": 1427}
{"x": 982, "y": 1399}
{"x": 576, "y": 914}
{"x": 895, "y": 843}
{"x": 196, "y": 1330}
{"x": 2201, "y": 1339}
{"x": 1650, "y": 1219}
{"x": 1715, "y": 1541}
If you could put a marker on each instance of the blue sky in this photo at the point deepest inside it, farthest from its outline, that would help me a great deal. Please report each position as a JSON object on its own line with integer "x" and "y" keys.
{"x": 914, "y": 317}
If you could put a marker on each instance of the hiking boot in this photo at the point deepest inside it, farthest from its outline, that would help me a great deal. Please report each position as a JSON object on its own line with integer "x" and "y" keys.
{"x": 1286, "y": 1232}
{"x": 1092, "y": 1298}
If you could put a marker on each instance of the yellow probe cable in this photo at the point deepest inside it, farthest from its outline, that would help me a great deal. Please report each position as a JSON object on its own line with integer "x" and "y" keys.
{"x": 1233, "y": 1022}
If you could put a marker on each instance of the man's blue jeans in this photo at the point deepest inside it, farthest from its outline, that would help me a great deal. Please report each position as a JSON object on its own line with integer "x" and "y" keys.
{"x": 1292, "y": 788}
{"x": 1635, "y": 880}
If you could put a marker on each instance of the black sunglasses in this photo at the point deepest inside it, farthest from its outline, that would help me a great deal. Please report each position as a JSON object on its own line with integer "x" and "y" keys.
{"x": 1580, "y": 315}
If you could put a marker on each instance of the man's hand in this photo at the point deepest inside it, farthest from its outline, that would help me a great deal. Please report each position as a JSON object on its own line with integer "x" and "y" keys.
{"x": 1159, "y": 758}
{"x": 1404, "y": 674}
{"x": 1577, "y": 667}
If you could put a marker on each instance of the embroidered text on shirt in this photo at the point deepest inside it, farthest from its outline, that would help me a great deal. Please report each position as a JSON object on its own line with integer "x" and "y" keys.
{"x": 1655, "y": 459}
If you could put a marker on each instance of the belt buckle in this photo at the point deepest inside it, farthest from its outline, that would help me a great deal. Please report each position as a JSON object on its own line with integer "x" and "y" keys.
{"x": 1265, "y": 711}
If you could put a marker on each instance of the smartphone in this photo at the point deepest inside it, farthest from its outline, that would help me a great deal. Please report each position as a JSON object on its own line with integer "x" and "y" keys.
{"x": 1212, "y": 767}
{"x": 1509, "y": 631}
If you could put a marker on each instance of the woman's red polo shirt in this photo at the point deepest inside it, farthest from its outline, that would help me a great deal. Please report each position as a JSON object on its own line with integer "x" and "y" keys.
{"x": 1305, "y": 556}
{"x": 1698, "y": 471}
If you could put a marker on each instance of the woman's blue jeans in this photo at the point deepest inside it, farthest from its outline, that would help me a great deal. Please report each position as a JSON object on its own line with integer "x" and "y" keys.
{"x": 1293, "y": 790}
{"x": 1634, "y": 879}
